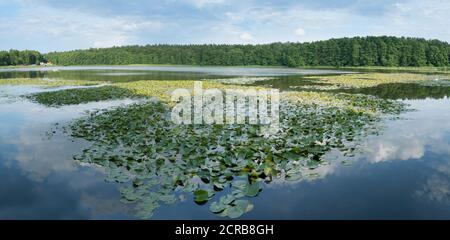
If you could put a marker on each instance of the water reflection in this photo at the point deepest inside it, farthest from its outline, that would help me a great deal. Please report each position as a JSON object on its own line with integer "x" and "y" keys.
{"x": 135, "y": 73}
{"x": 231, "y": 71}
{"x": 404, "y": 91}
{"x": 424, "y": 130}
{"x": 39, "y": 179}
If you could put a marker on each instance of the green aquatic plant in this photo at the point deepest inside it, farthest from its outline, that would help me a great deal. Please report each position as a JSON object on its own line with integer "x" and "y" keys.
{"x": 372, "y": 79}
{"x": 230, "y": 206}
{"x": 80, "y": 95}
{"x": 162, "y": 89}
{"x": 355, "y": 102}
{"x": 437, "y": 82}
{"x": 156, "y": 160}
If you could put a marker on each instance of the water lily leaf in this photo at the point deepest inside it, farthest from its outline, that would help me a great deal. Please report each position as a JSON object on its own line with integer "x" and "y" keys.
{"x": 168, "y": 199}
{"x": 238, "y": 193}
{"x": 234, "y": 212}
{"x": 201, "y": 196}
{"x": 239, "y": 184}
{"x": 219, "y": 185}
{"x": 228, "y": 199}
{"x": 293, "y": 175}
{"x": 245, "y": 205}
{"x": 238, "y": 208}
{"x": 217, "y": 207}
{"x": 252, "y": 190}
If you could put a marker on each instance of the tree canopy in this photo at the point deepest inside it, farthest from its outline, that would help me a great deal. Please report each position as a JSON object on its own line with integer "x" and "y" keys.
{"x": 16, "y": 57}
{"x": 357, "y": 51}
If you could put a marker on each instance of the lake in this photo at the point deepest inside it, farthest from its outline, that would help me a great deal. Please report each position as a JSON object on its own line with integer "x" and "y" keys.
{"x": 403, "y": 172}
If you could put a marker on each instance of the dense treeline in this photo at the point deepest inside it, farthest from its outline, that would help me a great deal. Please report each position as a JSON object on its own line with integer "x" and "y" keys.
{"x": 16, "y": 57}
{"x": 367, "y": 51}
{"x": 358, "y": 51}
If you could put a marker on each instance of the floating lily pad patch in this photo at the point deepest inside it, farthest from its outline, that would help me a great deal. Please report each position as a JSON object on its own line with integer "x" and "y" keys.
{"x": 80, "y": 95}
{"x": 140, "y": 147}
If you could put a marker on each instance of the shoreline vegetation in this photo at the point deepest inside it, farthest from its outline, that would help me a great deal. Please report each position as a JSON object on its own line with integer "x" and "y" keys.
{"x": 25, "y": 57}
{"x": 356, "y": 52}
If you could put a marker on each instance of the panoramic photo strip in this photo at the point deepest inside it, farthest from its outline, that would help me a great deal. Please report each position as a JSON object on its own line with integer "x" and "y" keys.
{"x": 204, "y": 119}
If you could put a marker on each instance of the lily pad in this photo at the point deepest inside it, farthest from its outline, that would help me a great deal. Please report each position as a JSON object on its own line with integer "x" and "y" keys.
{"x": 252, "y": 189}
{"x": 201, "y": 196}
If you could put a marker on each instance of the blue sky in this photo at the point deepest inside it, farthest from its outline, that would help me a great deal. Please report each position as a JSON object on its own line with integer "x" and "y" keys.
{"x": 51, "y": 25}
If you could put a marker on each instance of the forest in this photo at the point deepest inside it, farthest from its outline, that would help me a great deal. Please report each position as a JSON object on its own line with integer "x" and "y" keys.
{"x": 357, "y": 51}
{"x": 16, "y": 57}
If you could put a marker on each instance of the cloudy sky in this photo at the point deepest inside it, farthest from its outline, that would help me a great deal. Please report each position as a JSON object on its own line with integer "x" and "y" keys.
{"x": 50, "y": 25}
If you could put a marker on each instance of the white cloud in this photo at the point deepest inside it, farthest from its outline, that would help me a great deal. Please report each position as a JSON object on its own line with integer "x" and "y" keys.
{"x": 234, "y": 17}
{"x": 273, "y": 24}
{"x": 418, "y": 19}
{"x": 300, "y": 32}
{"x": 223, "y": 32}
{"x": 203, "y": 3}
{"x": 246, "y": 37}
{"x": 73, "y": 26}
{"x": 217, "y": 21}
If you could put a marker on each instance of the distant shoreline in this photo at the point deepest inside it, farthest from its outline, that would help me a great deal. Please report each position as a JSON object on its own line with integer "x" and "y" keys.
{"x": 369, "y": 68}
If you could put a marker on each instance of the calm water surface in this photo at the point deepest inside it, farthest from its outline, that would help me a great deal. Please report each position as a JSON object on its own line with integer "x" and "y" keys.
{"x": 402, "y": 173}
{"x": 125, "y": 73}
